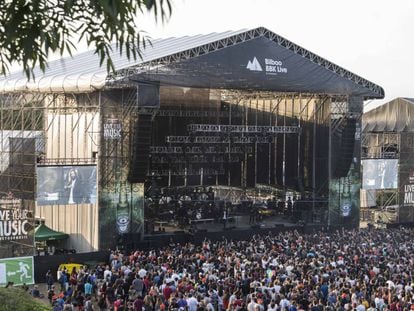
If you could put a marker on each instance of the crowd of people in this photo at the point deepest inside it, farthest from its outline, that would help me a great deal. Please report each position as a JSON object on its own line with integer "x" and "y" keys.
{"x": 366, "y": 269}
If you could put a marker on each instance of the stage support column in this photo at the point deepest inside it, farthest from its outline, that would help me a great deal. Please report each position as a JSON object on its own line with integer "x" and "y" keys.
{"x": 269, "y": 168}
{"x": 355, "y": 106}
{"x": 330, "y": 173}
{"x": 299, "y": 149}
{"x": 315, "y": 111}
{"x": 284, "y": 153}
{"x": 255, "y": 146}
{"x": 185, "y": 175}
{"x": 229, "y": 153}
{"x": 246, "y": 155}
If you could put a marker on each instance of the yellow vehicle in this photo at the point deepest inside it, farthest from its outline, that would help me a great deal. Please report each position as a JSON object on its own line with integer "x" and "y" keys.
{"x": 69, "y": 266}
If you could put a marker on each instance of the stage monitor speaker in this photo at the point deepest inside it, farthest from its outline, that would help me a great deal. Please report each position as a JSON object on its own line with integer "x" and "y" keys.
{"x": 255, "y": 226}
{"x": 140, "y": 149}
{"x": 343, "y": 147}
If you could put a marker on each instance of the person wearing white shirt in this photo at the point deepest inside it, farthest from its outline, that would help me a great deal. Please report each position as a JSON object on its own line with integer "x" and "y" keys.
{"x": 107, "y": 274}
{"x": 251, "y": 305}
{"x": 379, "y": 303}
{"x": 284, "y": 303}
{"x": 272, "y": 306}
{"x": 209, "y": 305}
{"x": 192, "y": 303}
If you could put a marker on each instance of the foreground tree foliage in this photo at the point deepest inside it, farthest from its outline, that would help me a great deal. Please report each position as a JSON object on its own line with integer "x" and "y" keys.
{"x": 30, "y": 30}
{"x": 15, "y": 299}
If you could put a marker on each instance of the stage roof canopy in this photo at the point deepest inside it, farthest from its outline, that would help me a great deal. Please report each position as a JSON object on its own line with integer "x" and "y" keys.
{"x": 394, "y": 116}
{"x": 255, "y": 59}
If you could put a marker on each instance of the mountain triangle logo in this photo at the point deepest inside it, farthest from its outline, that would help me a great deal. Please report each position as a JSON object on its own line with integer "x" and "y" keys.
{"x": 254, "y": 65}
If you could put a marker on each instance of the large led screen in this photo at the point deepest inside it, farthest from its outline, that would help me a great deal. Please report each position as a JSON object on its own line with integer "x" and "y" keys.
{"x": 380, "y": 174}
{"x": 66, "y": 185}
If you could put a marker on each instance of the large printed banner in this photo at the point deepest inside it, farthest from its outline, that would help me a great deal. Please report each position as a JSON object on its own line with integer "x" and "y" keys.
{"x": 121, "y": 203}
{"x": 121, "y": 210}
{"x": 344, "y": 192}
{"x": 15, "y": 222}
{"x": 18, "y": 270}
{"x": 16, "y": 226}
{"x": 406, "y": 178}
{"x": 66, "y": 185}
{"x": 344, "y": 198}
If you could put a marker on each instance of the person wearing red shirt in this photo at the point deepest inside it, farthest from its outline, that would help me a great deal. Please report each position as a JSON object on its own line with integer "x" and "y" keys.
{"x": 167, "y": 292}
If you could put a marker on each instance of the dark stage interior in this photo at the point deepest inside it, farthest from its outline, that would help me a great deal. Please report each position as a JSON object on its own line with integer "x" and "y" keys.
{"x": 220, "y": 160}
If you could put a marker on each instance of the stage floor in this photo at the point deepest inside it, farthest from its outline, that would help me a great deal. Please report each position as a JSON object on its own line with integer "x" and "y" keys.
{"x": 236, "y": 222}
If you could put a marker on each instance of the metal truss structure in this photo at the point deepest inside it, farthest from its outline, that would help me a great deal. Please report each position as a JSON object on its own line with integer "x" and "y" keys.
{"x": 115, "y": 154}
{"x": 242, "y": 132}
{"x": 377, "y": 146}
{"x": 384, "y": 145}
{"x": 42, "y": 129}
{"x": 22, "y": 142}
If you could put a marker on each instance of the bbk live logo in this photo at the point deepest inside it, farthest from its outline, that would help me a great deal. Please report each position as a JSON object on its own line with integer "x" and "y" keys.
{"x": 271, "y": 66}
{"x": 409, "y": 190}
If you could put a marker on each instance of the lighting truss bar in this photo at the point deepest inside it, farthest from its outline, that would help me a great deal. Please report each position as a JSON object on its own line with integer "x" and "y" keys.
{"x": 188, "y": 113}
{"x": 199, "y": 150}
{"x": 218, "y": 140}
{"x": 182, "y": 172}
{"x": 196, "y": 159}
{"x": 253, "y": 129}
{"x": 162, "y": 149}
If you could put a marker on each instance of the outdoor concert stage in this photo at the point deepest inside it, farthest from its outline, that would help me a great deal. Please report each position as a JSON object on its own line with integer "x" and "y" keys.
{"x": 249, "y": 114}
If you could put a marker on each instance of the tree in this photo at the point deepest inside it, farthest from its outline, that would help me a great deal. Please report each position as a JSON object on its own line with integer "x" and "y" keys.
{"x": 30, "y": 30}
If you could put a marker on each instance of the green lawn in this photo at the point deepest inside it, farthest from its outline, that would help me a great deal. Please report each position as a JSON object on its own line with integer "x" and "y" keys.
{"x": 15, "y": 299}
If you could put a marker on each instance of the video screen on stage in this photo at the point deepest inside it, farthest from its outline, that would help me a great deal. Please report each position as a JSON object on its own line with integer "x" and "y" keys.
{"x": 380, "y": 174}
{"x": 66, "y": 185}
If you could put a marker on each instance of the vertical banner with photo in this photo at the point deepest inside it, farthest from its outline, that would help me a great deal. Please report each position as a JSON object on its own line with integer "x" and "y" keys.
{"x": 16, "y": 227}
{"x": 344, "y": 198}
{"x": 344, "y": 192}
{"x": 121, "y": 204}
{"x": 406, "y": 178}
{"x": 121, "y": 211}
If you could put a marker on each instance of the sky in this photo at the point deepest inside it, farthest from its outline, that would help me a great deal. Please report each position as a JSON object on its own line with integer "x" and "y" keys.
{"x": 372, "y": 38}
